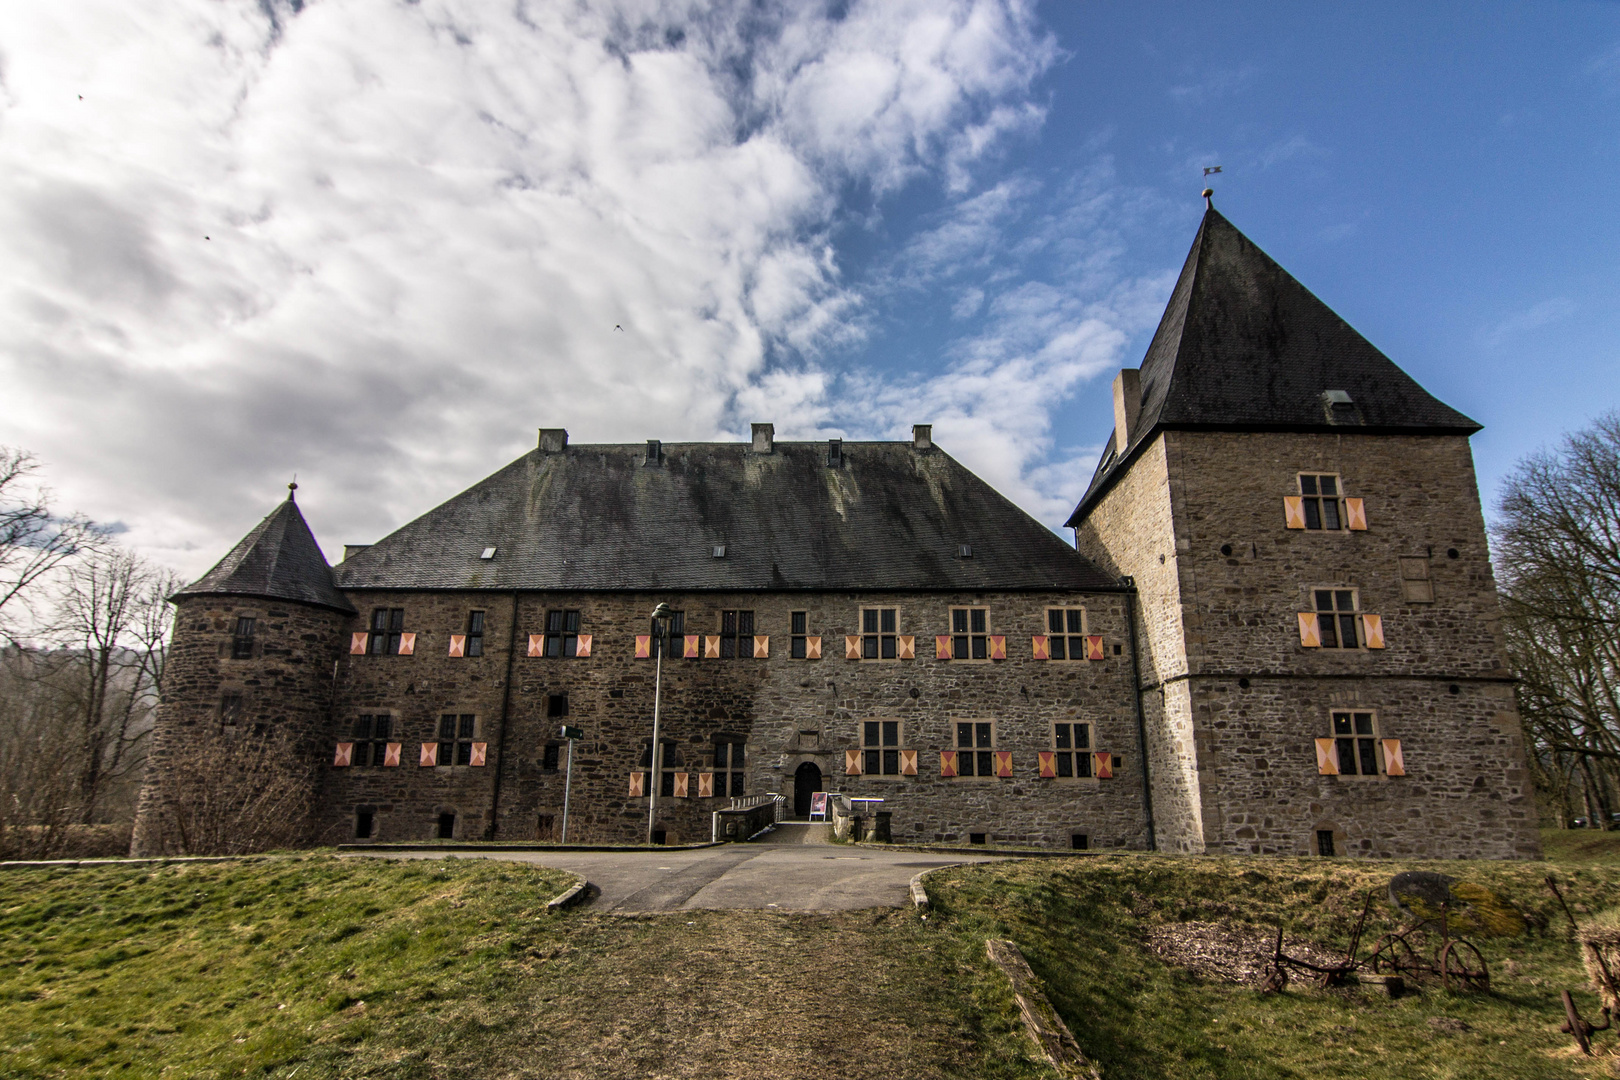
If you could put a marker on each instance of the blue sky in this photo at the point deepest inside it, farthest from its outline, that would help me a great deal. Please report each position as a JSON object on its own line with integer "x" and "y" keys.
{"x": 378, "y": 243}
{"x": 1446, "y": 177}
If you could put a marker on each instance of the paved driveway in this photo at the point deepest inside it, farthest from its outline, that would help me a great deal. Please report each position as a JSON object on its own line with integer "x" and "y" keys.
{"x": 788, "y": 877}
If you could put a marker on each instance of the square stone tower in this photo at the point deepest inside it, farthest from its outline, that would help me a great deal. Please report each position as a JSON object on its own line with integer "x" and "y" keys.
{"x": 1321, "y": 658}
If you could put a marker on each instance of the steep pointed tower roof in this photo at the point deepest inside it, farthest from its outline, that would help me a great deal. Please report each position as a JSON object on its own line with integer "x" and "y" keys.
{"x": 278, "y": 560}
{"x": 1243, "y": 346}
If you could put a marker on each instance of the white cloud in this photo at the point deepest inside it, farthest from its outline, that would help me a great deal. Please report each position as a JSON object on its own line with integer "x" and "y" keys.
{"x": 1534, "y": 317}
{"x": 379, "y": 244}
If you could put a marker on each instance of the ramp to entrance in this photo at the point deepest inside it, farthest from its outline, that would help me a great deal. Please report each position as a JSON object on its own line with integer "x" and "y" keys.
{"x": 798, "y": 832}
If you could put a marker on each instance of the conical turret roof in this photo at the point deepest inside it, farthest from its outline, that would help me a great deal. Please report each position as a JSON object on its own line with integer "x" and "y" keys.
{"x": 1243, "y": 346}
{"x": 278, "y": 560}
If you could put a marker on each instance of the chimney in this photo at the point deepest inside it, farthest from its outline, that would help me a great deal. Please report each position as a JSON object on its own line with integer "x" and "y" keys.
{"x": 1127, "y": 405}
{"x": 922, "y": 436}
{"x": 553, "y": 440}
{"x": 764, "y": 435}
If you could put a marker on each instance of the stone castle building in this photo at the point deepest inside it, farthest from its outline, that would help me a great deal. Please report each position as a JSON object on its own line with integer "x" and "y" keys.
{"x": 1276, "y": 631}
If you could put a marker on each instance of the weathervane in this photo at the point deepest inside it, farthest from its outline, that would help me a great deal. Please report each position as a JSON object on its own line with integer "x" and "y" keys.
{"x": 1210, "y": 170}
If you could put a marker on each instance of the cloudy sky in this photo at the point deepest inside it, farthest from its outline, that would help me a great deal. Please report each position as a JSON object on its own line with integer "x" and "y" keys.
{"x": 378, "y": 243}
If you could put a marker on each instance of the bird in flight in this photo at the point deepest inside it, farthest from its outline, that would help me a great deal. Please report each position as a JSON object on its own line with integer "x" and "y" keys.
{"x": 618, "y": 327}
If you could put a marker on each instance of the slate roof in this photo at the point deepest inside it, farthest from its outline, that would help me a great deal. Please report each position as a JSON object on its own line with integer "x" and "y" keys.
{"x": 1243, "y": 346}
{"x": 278, "y": 560}
{"x": 598, "y": 517}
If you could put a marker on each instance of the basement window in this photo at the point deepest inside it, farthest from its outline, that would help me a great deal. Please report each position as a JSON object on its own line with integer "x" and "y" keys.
{"x": 1324, "y": 842}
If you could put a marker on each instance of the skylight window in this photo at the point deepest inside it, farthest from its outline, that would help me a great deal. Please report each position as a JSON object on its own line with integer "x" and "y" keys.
{"x": 489, "y": 553}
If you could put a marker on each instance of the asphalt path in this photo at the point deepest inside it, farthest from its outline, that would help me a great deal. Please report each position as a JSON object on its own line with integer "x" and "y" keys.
{"x": 786, "y": 877}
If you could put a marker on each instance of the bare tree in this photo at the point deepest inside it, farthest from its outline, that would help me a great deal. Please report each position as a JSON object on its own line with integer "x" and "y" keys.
{"x": 1558, "y": 561}
{"x": 33, "y": 541}
{"x": 233, "y": 795}
{"x": 111, "y": 623}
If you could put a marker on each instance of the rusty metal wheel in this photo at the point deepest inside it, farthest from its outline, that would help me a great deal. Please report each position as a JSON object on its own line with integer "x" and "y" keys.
{"x": 1463, "y": 968}
{"x": 1393, "y": 956}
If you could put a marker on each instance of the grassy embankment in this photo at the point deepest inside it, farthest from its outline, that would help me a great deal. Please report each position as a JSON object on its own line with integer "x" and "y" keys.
{"x": 321, "y": 967}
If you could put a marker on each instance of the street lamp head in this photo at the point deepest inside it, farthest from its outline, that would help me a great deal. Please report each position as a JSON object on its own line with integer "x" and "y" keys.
{"x": 661, "y": 611}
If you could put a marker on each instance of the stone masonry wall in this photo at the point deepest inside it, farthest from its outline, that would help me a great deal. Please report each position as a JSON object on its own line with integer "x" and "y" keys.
{"x": 286, "y": 689}
{"x": 787, "y": 711}
{"x": 1131, "y": 532}
{"x": 1440, "y": 685}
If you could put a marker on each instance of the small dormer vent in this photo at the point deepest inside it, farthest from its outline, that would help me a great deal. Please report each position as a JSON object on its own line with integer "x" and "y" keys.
{"x": 965, "y": 551}
{"x": 1340, "y": 407}
{"x": 719, "y": 551}
{"x": 835, "y": 453}
{"x": 654, "y": 448}
{"x": 488, "y": 553}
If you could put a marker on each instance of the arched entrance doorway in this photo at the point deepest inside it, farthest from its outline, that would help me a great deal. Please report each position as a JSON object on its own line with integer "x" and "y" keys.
{"x": 806, "y": 781}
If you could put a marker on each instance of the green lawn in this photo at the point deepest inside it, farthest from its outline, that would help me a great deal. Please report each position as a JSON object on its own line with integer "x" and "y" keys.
{"x": 316, "y": 967}
{"x": 1581, "y": 846}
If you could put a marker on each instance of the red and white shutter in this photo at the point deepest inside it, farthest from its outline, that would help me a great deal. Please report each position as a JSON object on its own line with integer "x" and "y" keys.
{"x": 681, "y": 785}
{"x": 582, "y": 645}
{"x": 908, "y": 763}
{"x": 1372, "y": 626}
{"x": 762, "y": 646}
{"x": 537, "y": 645}
{"x": 692, "y": 646}
{"x": 357, "y": 643}
{"x": 407, "y": 644}
{"x": 812, "y": 648}
{"x": 1355, "y": 514}
{"x": 643, "y": 646}
{"x": 1394, "y": 764}
{"x": 705, "y": 785}
{"x": 947, "y": 763}
{"x": 430, "y": 755}
{"x": 1310, "y": 633}
{"x": 852, "y": 647}
{"x": 1102, "y": 765}
{"x": 1003, "y": 763}
{"x": 1327, "y": 757}
{"x": 1040, "y": 647}
{"x": 908, "y": 647}
{"x": 1048, "y": 760}
{"x": 998, "y": 648}
{"x": 942, "y": 647}
{"x": 480, "y": 751}
{"x": 638, "y": 784}
{"x": 344, "y": 755}
{"x": 852, "y": 763}
{"x": 391, "y": 754}
{"x": 711, "y": 647}
{"x": 458, "y": 644}
{"x": 1094, "y": 647}
{"x": 1293, "y": 512}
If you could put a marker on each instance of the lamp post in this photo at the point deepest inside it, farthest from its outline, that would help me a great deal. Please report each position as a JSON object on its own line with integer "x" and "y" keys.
{"x": 660, "y": 617}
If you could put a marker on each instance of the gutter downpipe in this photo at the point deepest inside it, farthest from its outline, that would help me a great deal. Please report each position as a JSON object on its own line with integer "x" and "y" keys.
{"x": 506, "y": 707}
{"x": 1141, "y": 719}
